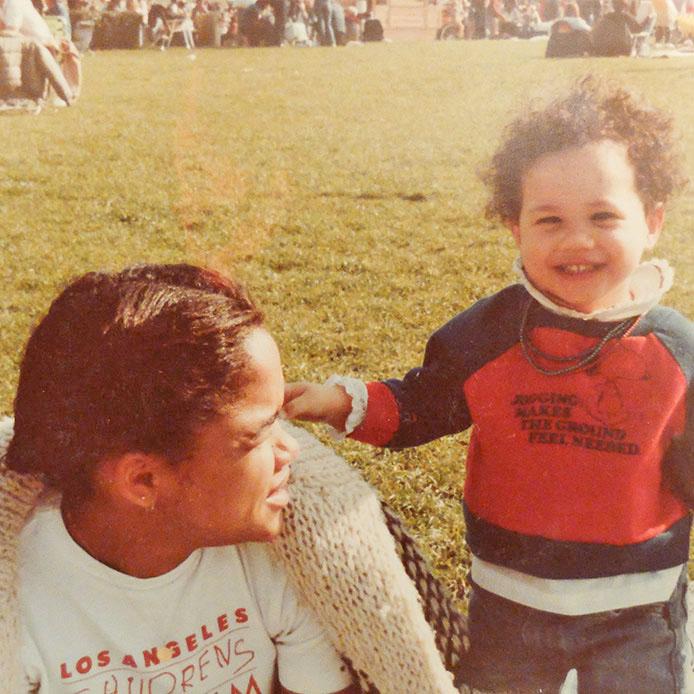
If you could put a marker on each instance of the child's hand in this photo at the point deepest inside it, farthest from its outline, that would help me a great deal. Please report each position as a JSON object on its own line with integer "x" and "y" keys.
{"x": 317, "y": 403}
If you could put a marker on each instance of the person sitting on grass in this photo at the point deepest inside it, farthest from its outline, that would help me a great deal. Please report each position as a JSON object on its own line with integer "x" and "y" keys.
{"x": 577, "y": 385}
{"x": 182, "y": 11}
{"x": 572, "y": 17}
{"x": 148, "y": 400}
{"x": 158, "y": 24}
{"x": 255, "y": 27}
{"x": 612, "y": 34}
{"x": 21, "y": 16}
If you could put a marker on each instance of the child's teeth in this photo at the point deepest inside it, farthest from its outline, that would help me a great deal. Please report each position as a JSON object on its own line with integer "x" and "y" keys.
{"x": 575, "y": 269}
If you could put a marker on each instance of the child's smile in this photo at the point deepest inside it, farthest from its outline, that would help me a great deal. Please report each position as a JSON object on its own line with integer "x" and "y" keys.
{"x": 583, "y": 228}
{"x": 579, "y": 269}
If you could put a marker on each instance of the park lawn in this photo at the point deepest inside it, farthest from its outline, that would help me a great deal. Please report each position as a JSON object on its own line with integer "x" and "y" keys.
{"x": 340, "y": 185}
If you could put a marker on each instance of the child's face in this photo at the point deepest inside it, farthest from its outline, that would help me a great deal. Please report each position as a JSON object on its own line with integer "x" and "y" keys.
{"x": 583, "y": 228}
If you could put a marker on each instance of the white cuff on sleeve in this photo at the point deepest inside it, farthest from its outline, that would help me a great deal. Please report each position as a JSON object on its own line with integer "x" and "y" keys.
{"x": 356, "y": 389}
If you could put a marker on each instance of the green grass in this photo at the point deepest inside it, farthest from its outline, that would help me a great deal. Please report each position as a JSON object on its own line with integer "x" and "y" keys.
{"x": 338, "y": 184}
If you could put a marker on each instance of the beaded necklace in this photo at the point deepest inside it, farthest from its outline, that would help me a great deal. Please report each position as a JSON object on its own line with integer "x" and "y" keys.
{"x": 581, "y": 360}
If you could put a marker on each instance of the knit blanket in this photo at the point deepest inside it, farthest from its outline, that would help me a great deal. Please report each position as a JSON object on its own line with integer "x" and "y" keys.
{"x": 340, "y": 554}
{"x": 18, "y": 494}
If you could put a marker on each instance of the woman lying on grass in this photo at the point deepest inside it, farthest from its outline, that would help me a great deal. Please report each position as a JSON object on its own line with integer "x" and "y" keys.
{"x": 149, "y": 401}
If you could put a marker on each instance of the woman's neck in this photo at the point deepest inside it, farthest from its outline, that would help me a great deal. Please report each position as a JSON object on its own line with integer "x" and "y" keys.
{"x": 132, "y": 542}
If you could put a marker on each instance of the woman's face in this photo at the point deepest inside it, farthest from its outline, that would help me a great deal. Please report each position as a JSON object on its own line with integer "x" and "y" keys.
{"x": 233, "y": 488}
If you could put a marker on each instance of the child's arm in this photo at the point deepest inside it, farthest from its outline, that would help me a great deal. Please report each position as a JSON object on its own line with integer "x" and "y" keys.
{"x": 429, "y": 402}
{"x": 426, "y": 404}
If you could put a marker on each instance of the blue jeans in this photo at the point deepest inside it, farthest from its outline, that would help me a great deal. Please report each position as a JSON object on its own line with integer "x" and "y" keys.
{"x": 636, "y": 650}
{"x": 324, "y": 13}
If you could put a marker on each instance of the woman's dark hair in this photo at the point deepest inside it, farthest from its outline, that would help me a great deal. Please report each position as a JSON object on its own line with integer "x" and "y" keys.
{"x": 125, "y": 362}
{"x": 593, "y": 110}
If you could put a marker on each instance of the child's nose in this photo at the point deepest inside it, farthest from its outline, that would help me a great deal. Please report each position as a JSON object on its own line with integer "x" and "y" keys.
{"x": 579, "y": 236}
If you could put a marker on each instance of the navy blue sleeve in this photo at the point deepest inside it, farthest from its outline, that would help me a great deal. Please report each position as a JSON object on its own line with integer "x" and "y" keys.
{"x": 678, "y": 464}
{"x": 430, "y": 398}
{"x": 677, "y": 334}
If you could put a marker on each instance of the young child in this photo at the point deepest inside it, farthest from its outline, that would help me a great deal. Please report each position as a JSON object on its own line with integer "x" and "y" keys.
{"x": 577, "y": 386}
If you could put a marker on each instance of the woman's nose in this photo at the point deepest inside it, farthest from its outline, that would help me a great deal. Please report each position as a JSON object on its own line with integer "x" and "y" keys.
{"x": 286, "y": 450}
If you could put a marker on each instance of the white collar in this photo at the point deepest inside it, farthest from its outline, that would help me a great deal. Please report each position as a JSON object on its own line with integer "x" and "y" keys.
{"x": 649, "y": 283}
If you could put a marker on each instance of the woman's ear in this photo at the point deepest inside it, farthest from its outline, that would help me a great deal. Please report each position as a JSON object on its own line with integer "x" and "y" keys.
{"x": 134, "y": 478}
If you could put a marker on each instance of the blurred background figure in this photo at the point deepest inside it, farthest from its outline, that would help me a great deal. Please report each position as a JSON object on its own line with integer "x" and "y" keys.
{"x": 279, "y": 10}
{"x": 300, "y": 27}
{"x": 665, "y": 20}
{"x": 57, "y": 8}
{"x": 572, "y": 16}
{"x": 612, "y": 34}
{"x": 324, "y": 10}
{"x": 339, "y": 24}
{"x": 21, "y": 16}
{"x": 157, "y": 21}
{"x": 255, "y": 26}
{"x": 183, "y": 12}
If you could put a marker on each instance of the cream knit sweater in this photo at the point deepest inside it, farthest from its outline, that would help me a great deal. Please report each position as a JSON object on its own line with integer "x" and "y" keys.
{"x": 337, "y": 549}
{"x": 17, "y": 496}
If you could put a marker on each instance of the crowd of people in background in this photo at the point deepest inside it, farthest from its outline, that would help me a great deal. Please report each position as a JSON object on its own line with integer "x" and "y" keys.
{"x": 477, "y": 19}
{"x": 303, "y": 22}
{"x": 261, "y": 23}
{"x": 337, "y": 22}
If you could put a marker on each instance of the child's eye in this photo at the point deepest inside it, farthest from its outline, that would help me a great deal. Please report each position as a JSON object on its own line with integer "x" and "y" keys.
{"x": 548, "y": 220}
{"x": 605, "y": 217}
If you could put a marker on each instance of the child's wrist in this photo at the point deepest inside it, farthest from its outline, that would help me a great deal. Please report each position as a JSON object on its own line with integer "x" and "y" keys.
{"x": 351, "y": 398}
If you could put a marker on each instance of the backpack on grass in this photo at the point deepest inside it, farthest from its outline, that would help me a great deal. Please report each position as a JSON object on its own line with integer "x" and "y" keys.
{"x": 567, "y": 42}
{"x": 373, "y": 30}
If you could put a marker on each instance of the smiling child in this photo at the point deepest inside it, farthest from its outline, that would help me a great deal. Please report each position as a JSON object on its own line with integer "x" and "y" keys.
{"x": 577, "y": 386}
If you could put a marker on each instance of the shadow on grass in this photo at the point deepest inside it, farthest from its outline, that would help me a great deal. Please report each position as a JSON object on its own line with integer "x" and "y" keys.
{"x": 412, "y": 197}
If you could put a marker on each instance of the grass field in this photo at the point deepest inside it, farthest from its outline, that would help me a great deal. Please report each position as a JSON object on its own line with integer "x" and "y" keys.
{"x": 339, "y": 185}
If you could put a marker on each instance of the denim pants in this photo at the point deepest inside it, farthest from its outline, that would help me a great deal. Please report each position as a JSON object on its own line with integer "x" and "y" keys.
{"x": 324, "y": 13}
{"x": 635, "y": 650}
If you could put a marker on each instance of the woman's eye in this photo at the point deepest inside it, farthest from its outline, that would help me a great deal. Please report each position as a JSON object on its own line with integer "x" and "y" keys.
{"x": 259, "y": 438}
{"x": 263, "y": 434}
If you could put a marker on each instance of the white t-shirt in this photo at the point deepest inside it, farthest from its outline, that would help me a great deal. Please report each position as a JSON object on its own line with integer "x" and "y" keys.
{"x": 221, "y": 622}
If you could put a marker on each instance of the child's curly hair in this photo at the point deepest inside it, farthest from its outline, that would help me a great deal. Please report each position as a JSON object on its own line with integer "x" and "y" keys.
{"x": 592, "y": 111}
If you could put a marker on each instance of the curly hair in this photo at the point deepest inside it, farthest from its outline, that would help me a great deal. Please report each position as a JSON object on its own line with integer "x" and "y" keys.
{"x": 593, "y": 110}
{"x": 131, "y": 361}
